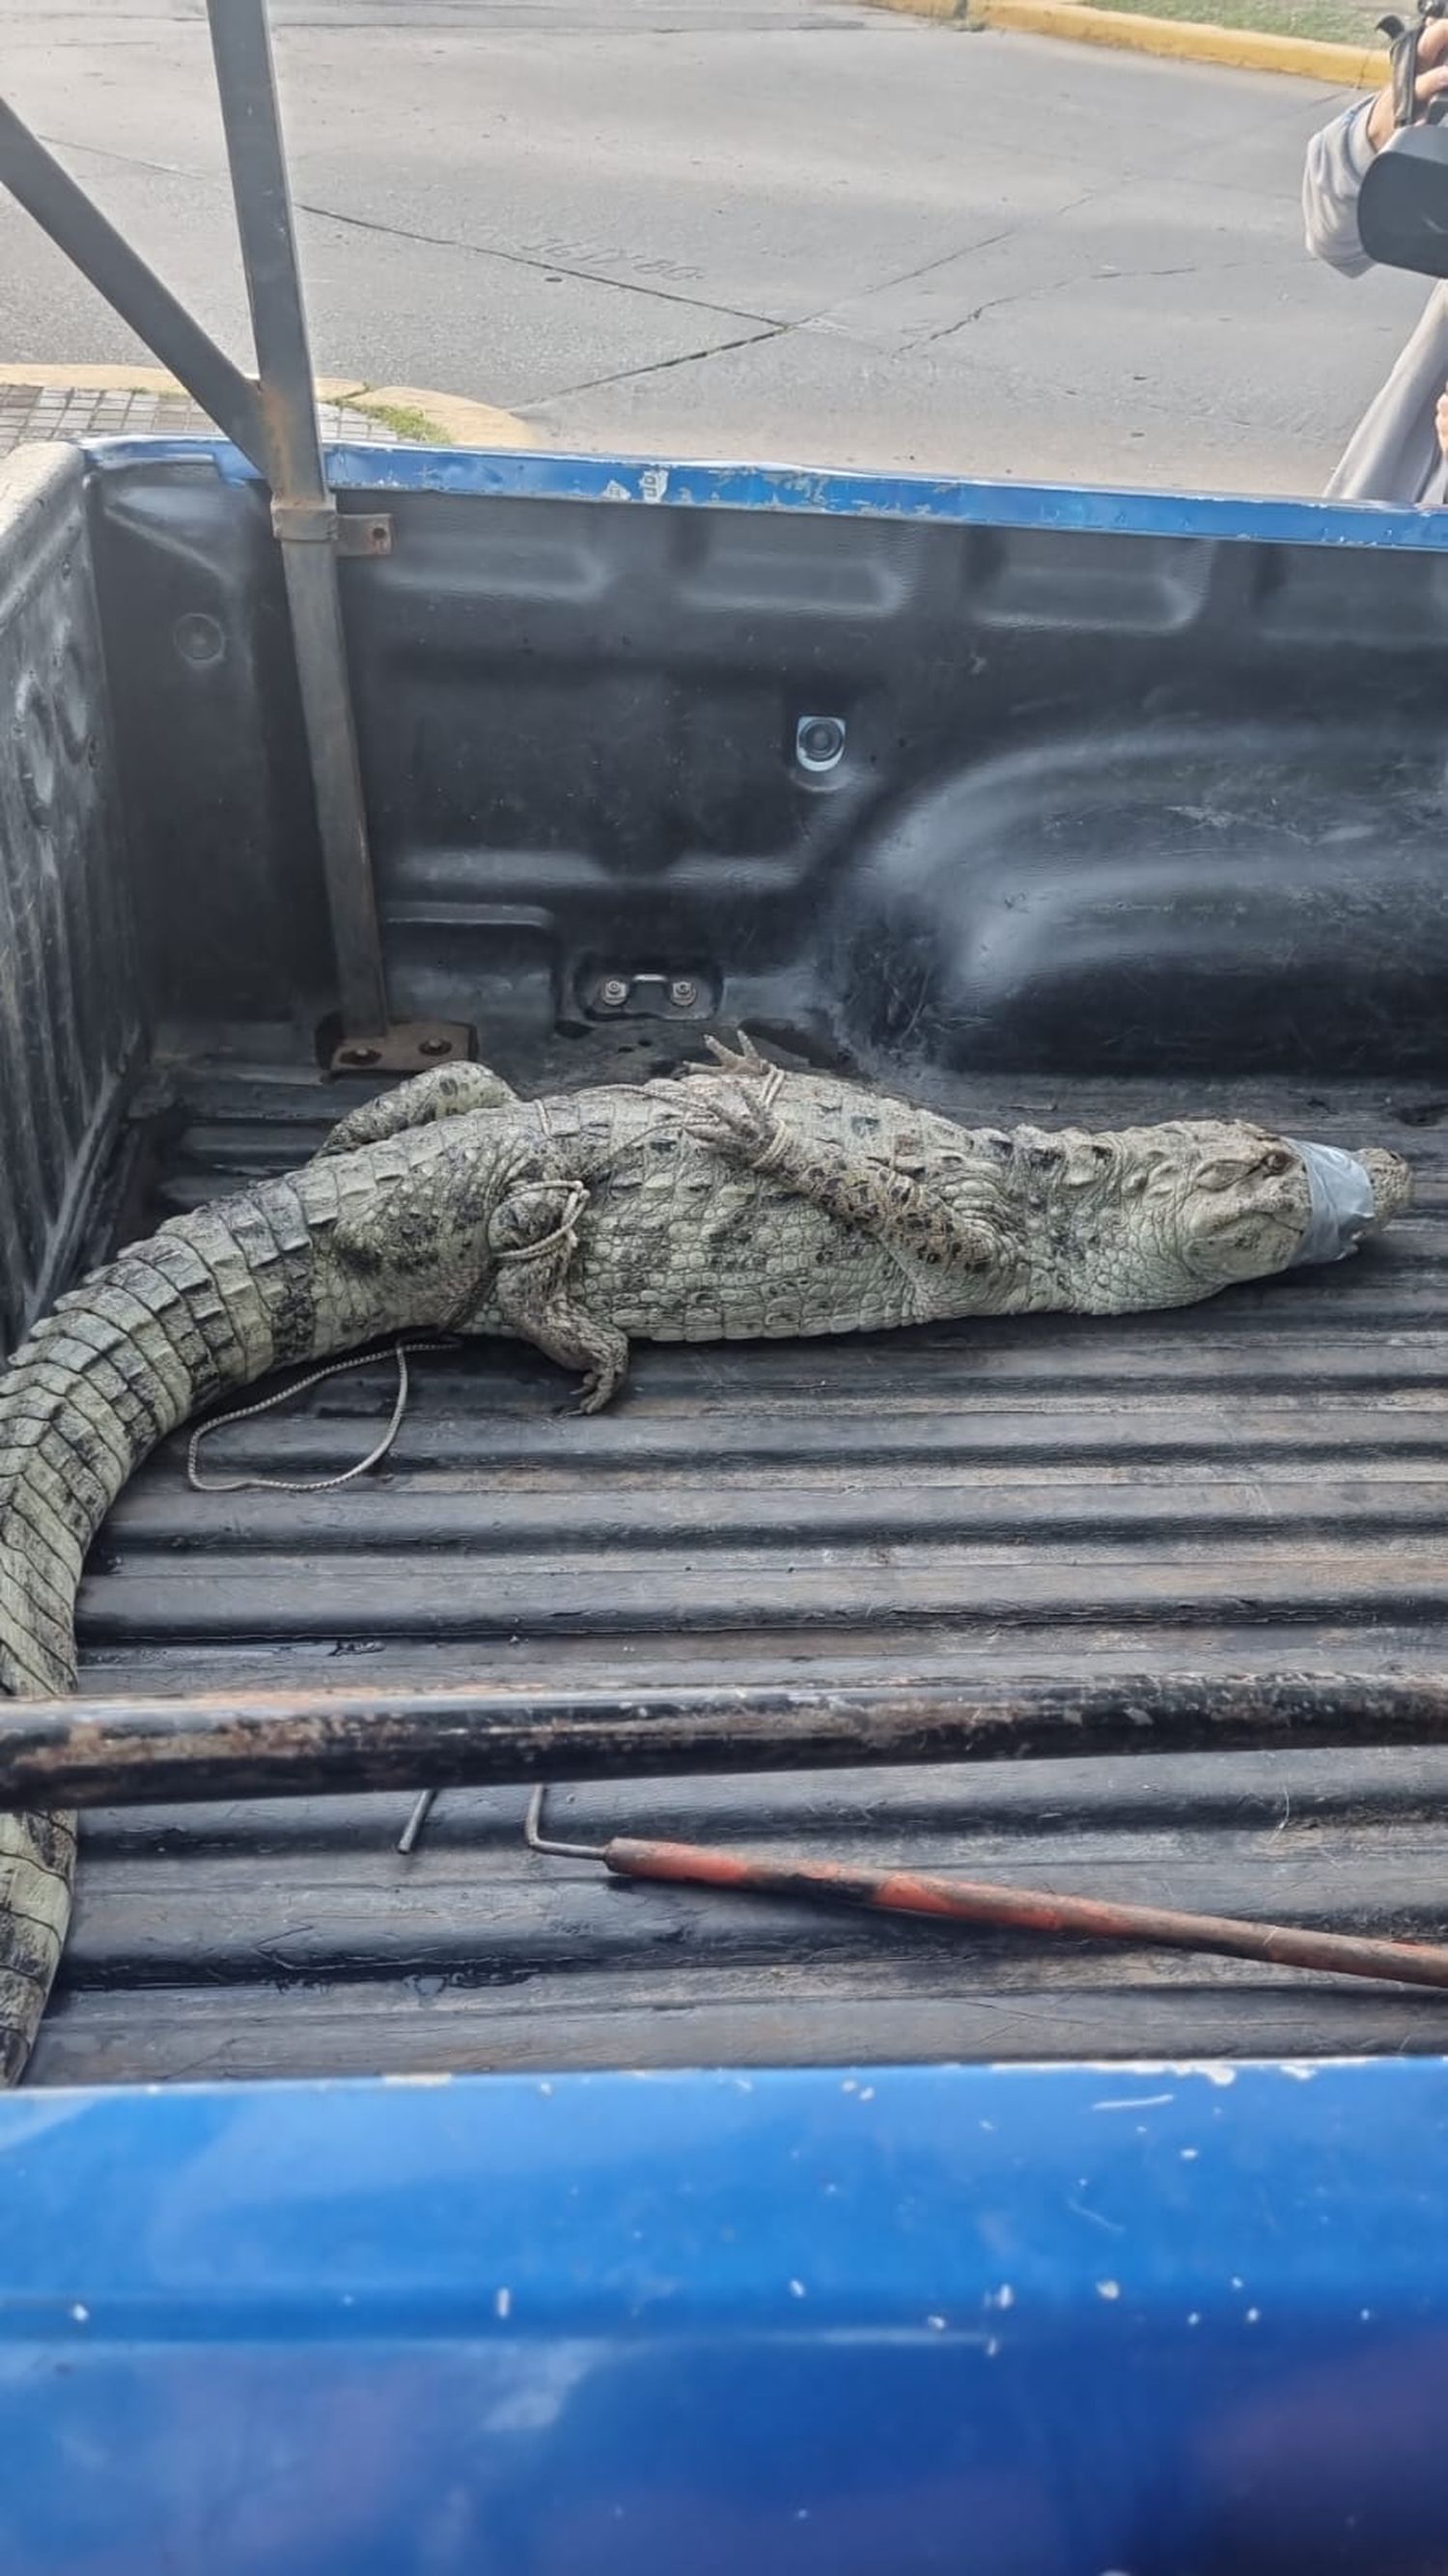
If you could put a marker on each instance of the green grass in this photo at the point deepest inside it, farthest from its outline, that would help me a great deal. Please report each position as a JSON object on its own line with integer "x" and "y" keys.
{"x": 1344, "y": 22}
{"x": 406, "y": 419}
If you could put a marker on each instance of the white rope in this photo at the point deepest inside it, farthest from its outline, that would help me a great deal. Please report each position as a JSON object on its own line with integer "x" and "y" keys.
{"x": 283, "y": 1395}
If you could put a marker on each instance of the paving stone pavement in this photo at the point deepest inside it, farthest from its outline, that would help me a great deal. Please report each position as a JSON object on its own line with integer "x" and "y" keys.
{"x": 51, "y": 411}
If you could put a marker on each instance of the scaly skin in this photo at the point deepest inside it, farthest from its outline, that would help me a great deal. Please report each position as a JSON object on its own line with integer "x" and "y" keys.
{"x": 735, "y": 1202}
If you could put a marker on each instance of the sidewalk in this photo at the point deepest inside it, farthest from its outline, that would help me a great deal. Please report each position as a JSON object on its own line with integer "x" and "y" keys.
{"x": 30, "y": 411}
{"x": 81, "y": 401}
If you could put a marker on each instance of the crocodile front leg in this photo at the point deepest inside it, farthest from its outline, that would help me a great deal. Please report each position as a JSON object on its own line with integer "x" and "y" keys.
{"x": 533, "y": 1238}
{"x": 746, "y": 1116}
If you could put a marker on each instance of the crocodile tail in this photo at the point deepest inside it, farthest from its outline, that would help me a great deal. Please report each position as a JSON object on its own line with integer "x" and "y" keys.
{"x": 213, "y": 1300}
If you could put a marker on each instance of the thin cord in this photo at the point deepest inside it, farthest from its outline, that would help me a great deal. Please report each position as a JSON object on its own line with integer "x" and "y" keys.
{"x": 283, "y": 1395}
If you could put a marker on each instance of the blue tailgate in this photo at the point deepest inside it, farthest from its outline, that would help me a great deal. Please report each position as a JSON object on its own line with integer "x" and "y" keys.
{"x": 1019, "y": 2318}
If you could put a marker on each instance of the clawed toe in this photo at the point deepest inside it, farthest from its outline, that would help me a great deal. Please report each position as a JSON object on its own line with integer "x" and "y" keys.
{"x": 709, "y": 1127}
{"x": 745, "y": 1059}
{"x": 730, "y": 1119}
{"x": 594, "y": 1394}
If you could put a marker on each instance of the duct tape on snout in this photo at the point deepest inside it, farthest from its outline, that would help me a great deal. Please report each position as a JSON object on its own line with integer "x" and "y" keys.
{"x": 1343, "y": 1206}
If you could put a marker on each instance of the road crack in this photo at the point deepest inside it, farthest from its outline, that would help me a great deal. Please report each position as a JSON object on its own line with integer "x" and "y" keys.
{"x": 437, "y": 241}
{"x": 661, "y": 366}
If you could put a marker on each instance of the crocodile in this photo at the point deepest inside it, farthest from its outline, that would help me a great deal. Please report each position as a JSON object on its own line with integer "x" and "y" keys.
{"x": 730, "y": 1201}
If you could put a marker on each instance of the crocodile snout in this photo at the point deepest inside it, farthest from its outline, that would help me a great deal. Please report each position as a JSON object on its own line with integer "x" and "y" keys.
{"x": 1392, "y": 1182}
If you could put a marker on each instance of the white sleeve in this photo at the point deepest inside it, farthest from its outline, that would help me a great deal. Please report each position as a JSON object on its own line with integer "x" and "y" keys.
{"x": 1337, "y": 161}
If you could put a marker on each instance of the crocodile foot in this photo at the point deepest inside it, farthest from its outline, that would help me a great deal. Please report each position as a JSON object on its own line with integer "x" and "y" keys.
{"x": 736, "y": 1119}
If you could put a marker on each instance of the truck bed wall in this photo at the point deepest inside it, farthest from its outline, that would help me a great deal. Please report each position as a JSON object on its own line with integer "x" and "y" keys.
{"x": 1108, "y": 801}
{"x": 70, "y": 1004}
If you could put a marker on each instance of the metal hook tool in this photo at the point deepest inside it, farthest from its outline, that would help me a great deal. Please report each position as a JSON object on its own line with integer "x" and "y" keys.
{"x": 964, "y": 1900}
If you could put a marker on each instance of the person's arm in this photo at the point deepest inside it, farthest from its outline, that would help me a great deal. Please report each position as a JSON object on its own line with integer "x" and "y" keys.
{"x": 1338, "y": 158}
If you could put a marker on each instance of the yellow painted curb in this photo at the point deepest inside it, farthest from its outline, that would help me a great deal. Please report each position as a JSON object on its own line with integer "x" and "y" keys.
{"x": 450, "y": 419}
{"x": 1183, "y": 40}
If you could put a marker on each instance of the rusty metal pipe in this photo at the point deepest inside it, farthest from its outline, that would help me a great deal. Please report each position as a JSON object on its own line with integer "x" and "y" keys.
{"x": 286, "y": 1743}
{"x": 986, "y": 1901}
{"x": 1021, "y": 1909}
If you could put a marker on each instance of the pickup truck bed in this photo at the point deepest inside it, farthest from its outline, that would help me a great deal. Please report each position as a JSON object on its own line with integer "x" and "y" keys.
{"x": 1255, "y": 1484}
{"x": 1139, "y": 810}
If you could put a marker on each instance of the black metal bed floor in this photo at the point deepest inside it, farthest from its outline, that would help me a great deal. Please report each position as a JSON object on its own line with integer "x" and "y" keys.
{"x": 1255, "y": 1484}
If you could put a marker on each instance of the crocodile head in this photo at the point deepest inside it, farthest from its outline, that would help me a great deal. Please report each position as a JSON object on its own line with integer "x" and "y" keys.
{"x": 1251, "y": 1203}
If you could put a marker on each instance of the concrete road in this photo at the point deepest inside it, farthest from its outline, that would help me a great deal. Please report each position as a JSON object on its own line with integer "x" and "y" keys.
{"x": 781, "y": 228}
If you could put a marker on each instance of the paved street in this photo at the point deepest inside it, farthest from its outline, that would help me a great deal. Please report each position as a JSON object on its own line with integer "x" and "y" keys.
{"x": 782, "y": 228}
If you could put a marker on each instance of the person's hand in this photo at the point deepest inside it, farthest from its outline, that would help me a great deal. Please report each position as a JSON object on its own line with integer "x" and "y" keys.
{"x": 1440, "y": 418}
{"x": 1432, "y": 81}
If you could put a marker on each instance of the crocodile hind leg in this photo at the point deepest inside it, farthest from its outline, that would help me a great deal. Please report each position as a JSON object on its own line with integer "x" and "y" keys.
{"x": 447, "y": 1091}
{"x": 744, "y": 1118}
{"x": 533, "y": 1238}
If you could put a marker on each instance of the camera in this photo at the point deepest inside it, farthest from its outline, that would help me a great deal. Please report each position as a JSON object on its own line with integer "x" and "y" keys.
{"x": 1403, "y": 202}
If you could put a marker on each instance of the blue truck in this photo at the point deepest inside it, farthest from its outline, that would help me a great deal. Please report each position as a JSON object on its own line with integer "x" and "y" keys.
{"x": 460, "y": 2206}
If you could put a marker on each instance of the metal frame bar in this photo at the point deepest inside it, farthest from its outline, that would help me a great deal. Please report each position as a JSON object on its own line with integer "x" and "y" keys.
{"x": 47, "y": 192}
{"x": 274, "y": 423}
{"x": 87, "y": 1753}
{"x": 304, "y": 513}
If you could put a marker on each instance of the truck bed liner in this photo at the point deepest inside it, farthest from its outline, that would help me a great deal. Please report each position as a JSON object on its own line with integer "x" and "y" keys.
{"x": 1254, "y": 1484}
